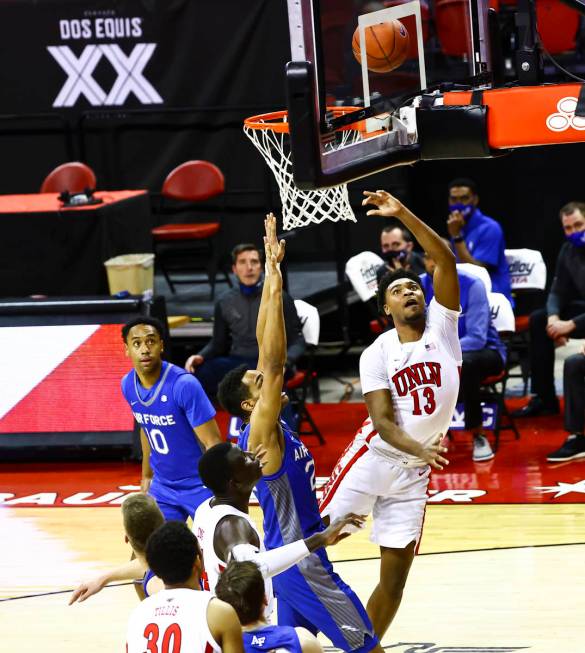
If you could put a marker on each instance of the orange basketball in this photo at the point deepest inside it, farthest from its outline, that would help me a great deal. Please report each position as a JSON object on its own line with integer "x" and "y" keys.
{"x": 386, "y": 46}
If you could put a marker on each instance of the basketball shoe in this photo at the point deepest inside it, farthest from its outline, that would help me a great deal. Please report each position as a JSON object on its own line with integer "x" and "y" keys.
{"x": 482, "y": 449}
{"x": 573, "y": 447}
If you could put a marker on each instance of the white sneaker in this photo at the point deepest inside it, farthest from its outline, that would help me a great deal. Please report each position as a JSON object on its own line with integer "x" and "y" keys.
{"x": 481, "y": 449}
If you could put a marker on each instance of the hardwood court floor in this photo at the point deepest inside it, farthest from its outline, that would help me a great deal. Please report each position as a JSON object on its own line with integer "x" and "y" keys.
{"x": 489, "y": 578}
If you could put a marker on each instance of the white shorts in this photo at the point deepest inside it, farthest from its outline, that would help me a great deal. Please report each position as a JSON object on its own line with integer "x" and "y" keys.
{"x": 365, "y": 482}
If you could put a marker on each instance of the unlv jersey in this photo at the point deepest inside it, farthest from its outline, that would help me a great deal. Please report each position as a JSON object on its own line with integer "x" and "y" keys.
{"x": 205, "y": 521}
{"x": 422, "y": 376}
{"x": 172, "y": 620}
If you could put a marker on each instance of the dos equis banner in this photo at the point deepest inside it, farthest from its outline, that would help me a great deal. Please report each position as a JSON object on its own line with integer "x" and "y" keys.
{"x": 72, "y": 56}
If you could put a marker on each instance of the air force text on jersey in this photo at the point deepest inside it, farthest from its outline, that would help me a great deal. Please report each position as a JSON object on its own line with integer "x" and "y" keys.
{"x": 156, "y": 420}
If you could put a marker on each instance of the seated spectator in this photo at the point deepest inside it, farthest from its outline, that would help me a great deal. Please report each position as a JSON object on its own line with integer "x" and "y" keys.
{"x": 241, "y": 585}
{"x": 397, "y": 243}
{"x": 574, "y": 393}
{"x": 563, "y": 316}
{"x": 476, "y": 238}
{"x": 233, "y": 342}
{"x": 483, "y": 352}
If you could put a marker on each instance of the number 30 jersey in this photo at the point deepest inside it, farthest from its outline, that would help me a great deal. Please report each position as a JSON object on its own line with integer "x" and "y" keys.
{"x": 168, "y": 412}
{"x": 172, "y": 620}
{"x": 422, "y": 377}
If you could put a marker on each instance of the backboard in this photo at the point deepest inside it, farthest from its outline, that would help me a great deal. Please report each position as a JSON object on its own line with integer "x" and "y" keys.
{"x": 324, "y": 73}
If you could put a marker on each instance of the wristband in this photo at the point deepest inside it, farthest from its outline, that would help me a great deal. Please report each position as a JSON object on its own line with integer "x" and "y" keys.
{"x": 458, "y": 239}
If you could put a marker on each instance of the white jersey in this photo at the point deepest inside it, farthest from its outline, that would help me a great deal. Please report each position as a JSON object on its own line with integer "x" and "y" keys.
{"x": 204, "y": 523}
{"x": 172, "y": 620}
{"x": 422, "y": 376}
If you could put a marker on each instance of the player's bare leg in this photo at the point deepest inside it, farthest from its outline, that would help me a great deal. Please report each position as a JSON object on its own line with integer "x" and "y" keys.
{"x": 386, "y": 597}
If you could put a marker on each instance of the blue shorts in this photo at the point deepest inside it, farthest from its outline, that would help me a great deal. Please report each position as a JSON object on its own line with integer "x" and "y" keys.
{"x": 323, "y": 602}
{"x": 176, "y": 502}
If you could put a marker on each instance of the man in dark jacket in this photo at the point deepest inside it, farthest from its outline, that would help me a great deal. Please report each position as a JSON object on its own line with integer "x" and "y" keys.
{"x": 563, "y": 317}
{"x": 233, "y": 341}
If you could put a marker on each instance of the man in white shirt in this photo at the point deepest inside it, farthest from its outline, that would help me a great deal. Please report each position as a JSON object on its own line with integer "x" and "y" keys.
{"x": 410, "y": 382}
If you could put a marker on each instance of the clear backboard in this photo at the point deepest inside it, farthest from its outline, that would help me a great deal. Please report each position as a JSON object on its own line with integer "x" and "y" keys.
{"x": 325, "y": 74}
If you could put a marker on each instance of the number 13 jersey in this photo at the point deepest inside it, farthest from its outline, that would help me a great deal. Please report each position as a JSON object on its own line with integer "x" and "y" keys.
{"x": 423, "y": 379}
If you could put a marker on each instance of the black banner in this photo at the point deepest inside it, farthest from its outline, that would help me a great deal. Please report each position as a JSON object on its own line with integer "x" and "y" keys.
{"x": 68, "y": 56}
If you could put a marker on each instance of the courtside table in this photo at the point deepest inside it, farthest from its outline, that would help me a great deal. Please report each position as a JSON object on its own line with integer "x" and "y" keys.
{"x": 46, "y": 249}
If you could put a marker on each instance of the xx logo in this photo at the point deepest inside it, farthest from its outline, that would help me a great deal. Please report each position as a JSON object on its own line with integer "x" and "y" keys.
{"x": 565, "y": 116}
{"x": 80, "y": 70}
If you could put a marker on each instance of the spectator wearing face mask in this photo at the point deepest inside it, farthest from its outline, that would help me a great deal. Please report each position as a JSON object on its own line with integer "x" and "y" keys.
{"x": 475, "y": 237}
{"x": 234, "y": 325}
{"x": 561, "y": 319}
{"x": 397, "y": 244}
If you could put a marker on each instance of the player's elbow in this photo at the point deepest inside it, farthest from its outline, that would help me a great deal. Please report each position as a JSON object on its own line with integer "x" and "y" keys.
{"x": 385, "y": 427}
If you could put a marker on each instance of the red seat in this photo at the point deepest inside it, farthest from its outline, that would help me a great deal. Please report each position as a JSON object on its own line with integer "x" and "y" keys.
{"x": 451, "y": 18}
{"x": 73, "y": 177}
{"x": 192, "y": 181}
{"x": 522, "y": 322}
{"x": 185, "y": 231}
{"x": 496, "y": 378}
{"x": 557, "y": 25}
{"x": 300, "y": 377}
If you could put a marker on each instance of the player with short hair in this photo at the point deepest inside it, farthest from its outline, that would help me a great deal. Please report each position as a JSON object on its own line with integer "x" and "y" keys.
{"x": 310, "y": 594}
{"x": 225, "y": 530}
{"x": 180, "y": 618}
{"x": 141, "y": 516}
{"x": 410, "y": 381}
{"x": 242, "y": 586}
{"x": 176, "y": 419}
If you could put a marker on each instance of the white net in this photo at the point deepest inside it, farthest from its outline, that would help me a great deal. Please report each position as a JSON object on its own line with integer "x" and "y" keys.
{"x": 300, "y": 207}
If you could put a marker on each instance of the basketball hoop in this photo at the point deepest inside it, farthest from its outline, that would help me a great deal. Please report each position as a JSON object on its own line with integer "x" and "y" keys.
{"x": 269, "y": 133}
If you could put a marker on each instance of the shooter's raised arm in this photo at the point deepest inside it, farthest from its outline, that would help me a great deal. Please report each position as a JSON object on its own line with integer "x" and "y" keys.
{"x": 445, "y": 279}
{"x": 271, "y": 332}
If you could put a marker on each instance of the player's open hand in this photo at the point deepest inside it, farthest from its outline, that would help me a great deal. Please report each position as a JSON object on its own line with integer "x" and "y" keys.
{"x": 386, "y": 205}
{"x": 455, "y": 224}
{"x": 271, "y": 243}
{"x": 433, "y": 453}
{"x": 343, "y": 527}
{"x": 86, "y": 589}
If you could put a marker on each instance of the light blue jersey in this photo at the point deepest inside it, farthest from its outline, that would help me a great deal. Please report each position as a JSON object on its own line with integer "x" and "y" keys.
{"x": 168, "y": 412}
{"x": 291, "y": 512}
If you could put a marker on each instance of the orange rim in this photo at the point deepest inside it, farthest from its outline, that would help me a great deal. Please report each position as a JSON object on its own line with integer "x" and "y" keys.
{"x": 276, "y": 120}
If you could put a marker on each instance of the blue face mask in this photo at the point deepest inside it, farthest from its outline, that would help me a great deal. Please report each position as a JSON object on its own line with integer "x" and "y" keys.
{"x": 577, "y": 238}
{"x": 251, "y": 290}
{"x": 465, "y": 209}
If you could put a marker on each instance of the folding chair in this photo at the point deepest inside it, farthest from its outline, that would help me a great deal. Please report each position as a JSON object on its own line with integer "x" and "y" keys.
{"x": 493, "y": 388}
{"x": 189, "y": 246}
{"x": 528, "y": 281}
{"x": 302, "y": 381}
{"x": 73, "y": 177}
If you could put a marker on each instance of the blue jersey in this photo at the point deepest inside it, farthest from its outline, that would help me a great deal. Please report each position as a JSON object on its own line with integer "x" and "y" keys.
{"x": 168, "y": 412}
{"x": 484, "y": 239}
{"x": 291, "y": 512}
{"x": 272, "y": 638}
{"x": 288, "y": 497}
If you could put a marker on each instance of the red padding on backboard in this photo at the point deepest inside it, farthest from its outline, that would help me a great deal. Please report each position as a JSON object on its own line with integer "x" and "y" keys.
{"x": 525, "y": 116}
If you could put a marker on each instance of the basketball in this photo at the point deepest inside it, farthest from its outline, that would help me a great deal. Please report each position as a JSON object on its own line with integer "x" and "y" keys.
{"x": 386, "y": 46}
